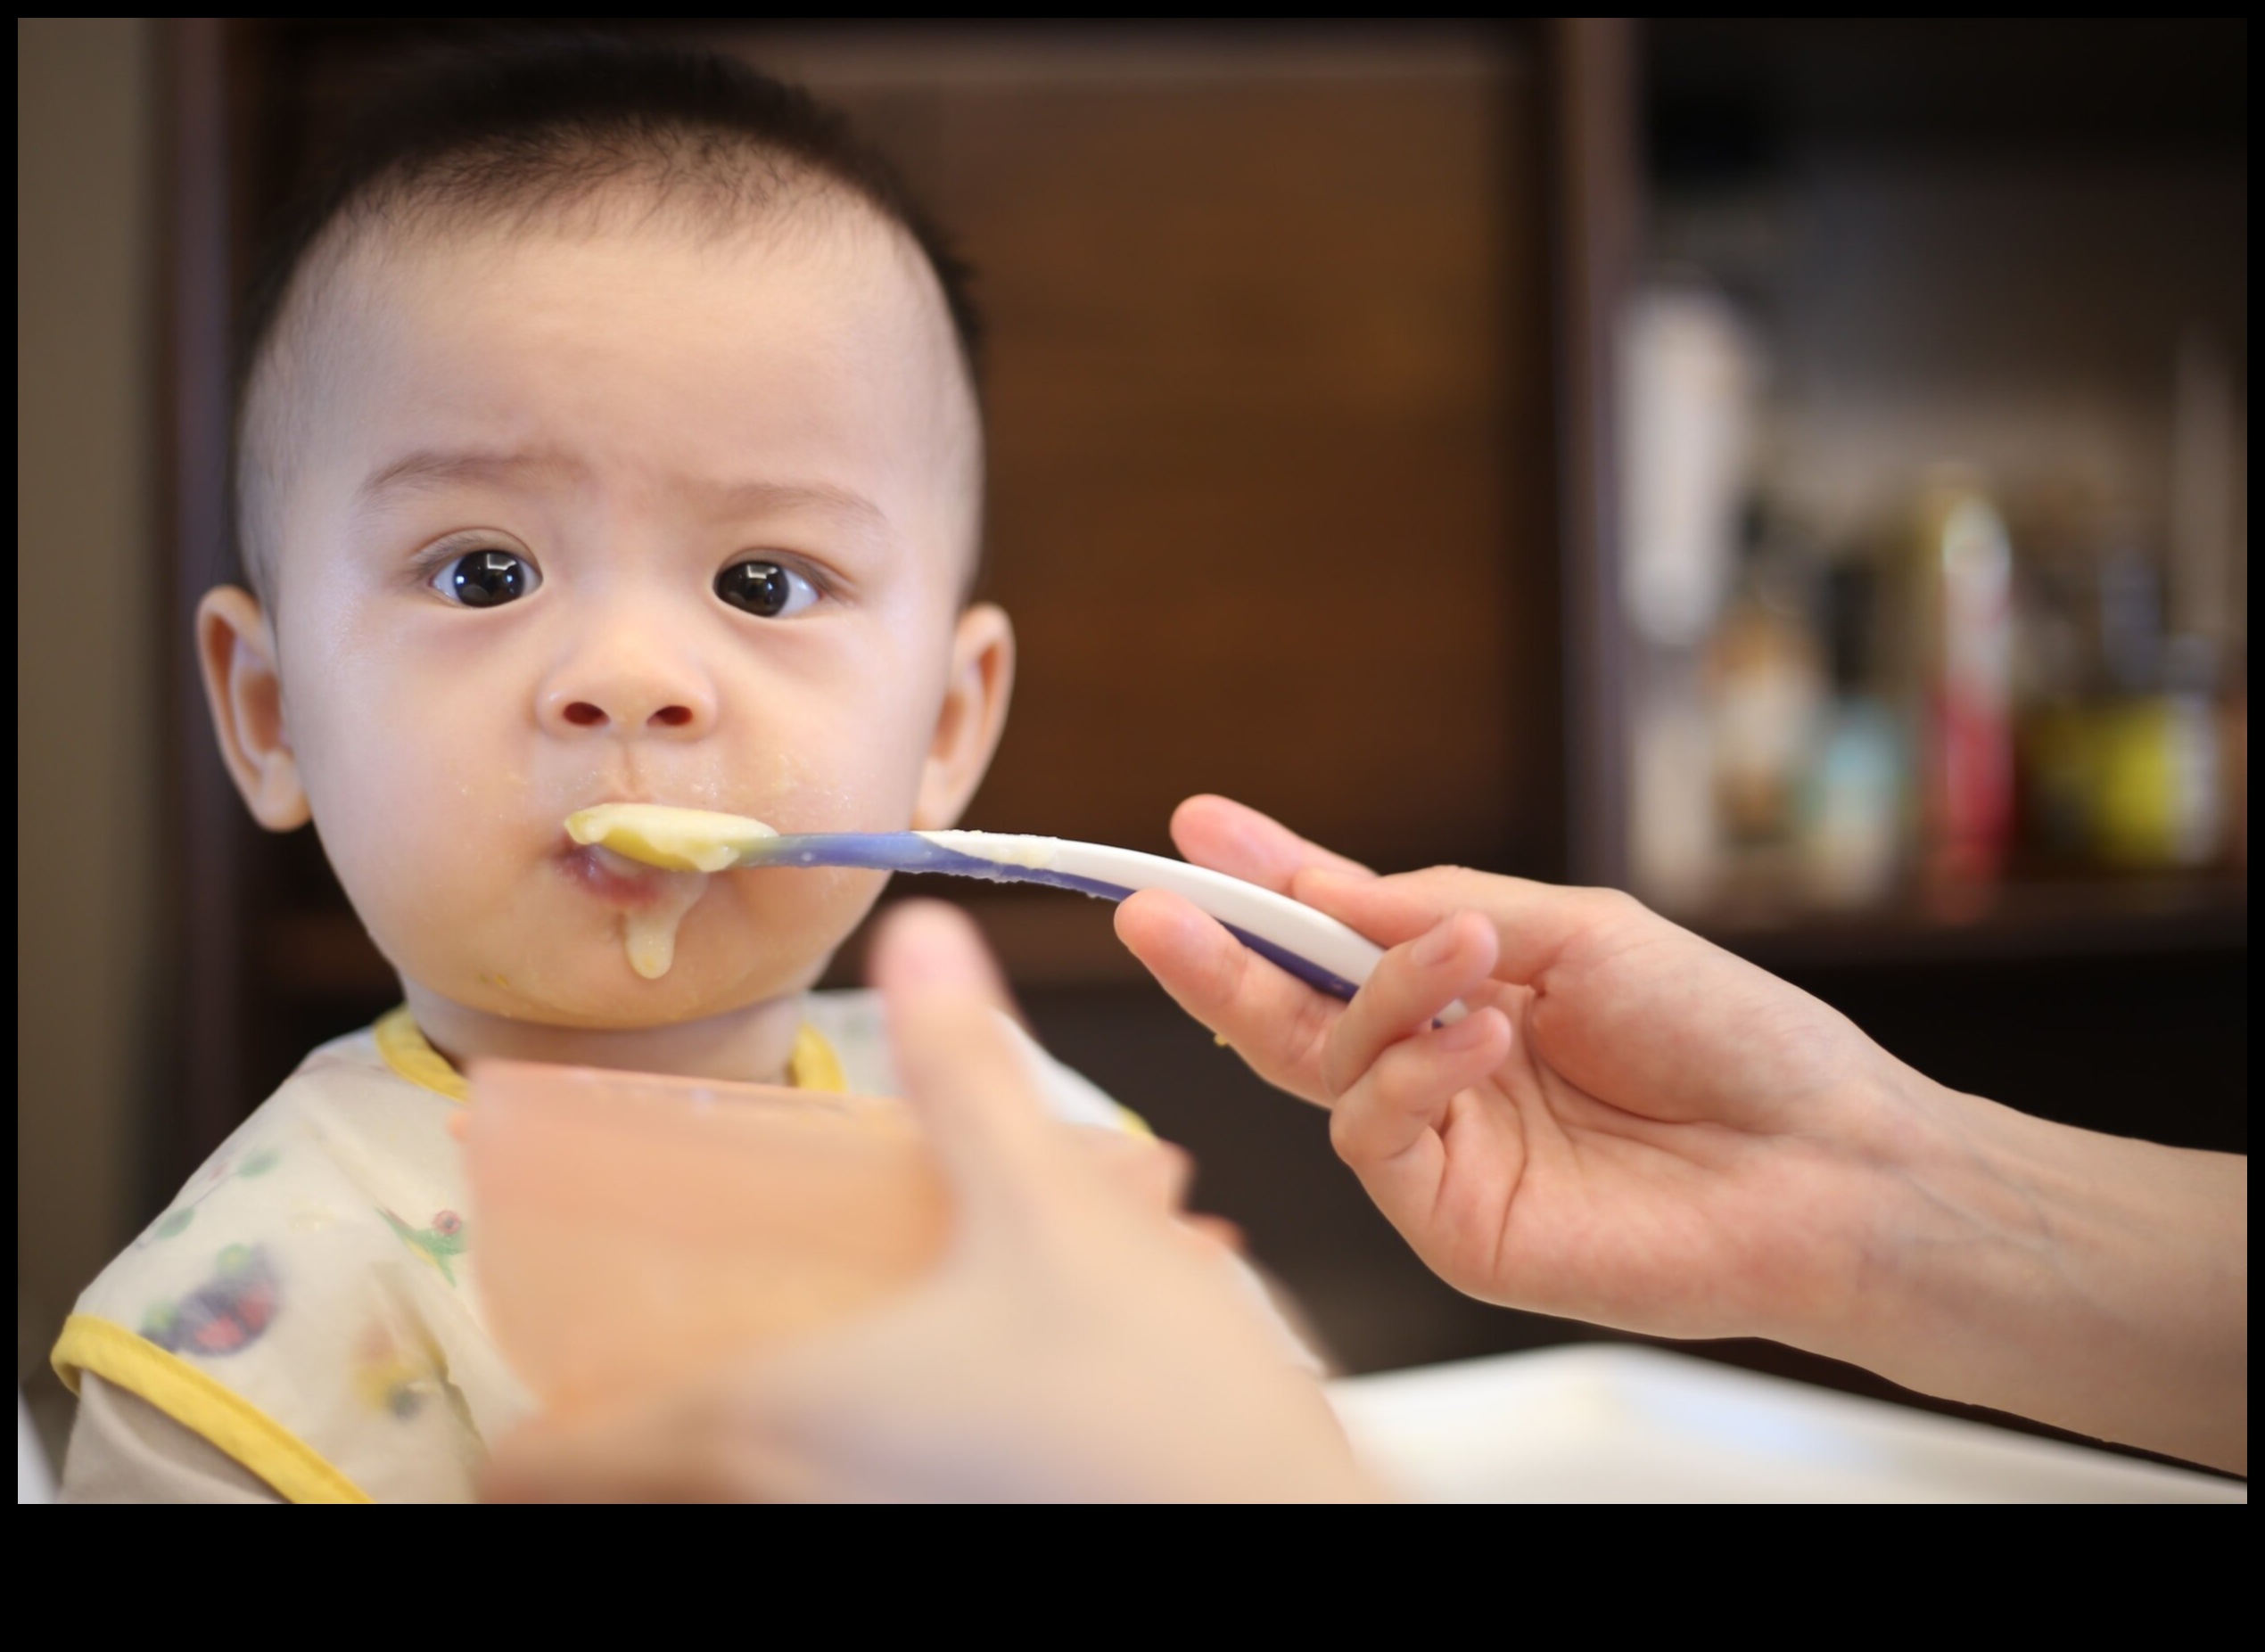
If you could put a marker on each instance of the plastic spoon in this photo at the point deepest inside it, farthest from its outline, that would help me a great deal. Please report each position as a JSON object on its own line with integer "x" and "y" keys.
{"x": 1311, "y": 945}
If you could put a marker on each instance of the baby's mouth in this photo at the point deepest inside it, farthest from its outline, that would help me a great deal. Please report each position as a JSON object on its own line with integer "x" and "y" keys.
{"x": 652, "y": 902}
{"x": 615, "y": 879}
{"x": 653, "y": 899}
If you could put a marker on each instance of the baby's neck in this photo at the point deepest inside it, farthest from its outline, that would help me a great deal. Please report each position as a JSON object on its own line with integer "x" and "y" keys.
{"x": 750, "y": 1045}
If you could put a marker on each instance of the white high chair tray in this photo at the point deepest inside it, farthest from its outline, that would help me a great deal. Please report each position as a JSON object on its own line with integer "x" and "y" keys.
{"x": 1609, "y": 1423}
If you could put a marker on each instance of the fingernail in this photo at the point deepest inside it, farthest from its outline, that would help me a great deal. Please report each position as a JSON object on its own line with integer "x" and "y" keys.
{"x": 1435, "y": 948}
{"x": 1462, "y": 1034}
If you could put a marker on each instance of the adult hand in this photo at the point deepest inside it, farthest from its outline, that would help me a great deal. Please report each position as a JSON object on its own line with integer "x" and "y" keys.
{"x": 1636, "y": 1128}
{"x": 1076, "y": 1342}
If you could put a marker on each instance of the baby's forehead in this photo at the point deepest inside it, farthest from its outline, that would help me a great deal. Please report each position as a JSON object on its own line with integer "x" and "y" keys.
{"x": 817, "y": 333}
{"x": 828, "y": 287}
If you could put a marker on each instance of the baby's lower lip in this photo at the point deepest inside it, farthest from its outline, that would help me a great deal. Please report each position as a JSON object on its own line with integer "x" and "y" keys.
{"x": 613, "y": 878}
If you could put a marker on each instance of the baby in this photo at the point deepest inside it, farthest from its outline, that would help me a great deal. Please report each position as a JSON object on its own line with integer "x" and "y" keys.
{"x": 608, "y": 434}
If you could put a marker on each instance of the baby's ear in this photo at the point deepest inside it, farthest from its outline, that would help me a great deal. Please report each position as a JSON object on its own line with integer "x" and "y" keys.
{"x": 973, "y": 716}
{"x": 236, "y": 647}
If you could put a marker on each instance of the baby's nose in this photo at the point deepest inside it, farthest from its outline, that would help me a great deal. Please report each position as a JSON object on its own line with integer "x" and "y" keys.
{"x": 663, "y": 702}
{"x": 588, "y": 714}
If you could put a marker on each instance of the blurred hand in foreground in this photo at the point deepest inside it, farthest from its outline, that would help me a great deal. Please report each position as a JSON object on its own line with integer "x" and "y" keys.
{"x": 1635, "y": 1128}
{"x": 1076, "y": 1343}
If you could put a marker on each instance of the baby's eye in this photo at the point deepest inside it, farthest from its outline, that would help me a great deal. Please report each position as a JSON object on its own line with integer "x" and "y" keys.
{"x": 486, "y": 579}
{"x": 765, "y": 590}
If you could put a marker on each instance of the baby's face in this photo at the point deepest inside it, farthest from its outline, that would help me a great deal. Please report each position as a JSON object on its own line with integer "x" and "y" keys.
{"x": 572, "y": 519}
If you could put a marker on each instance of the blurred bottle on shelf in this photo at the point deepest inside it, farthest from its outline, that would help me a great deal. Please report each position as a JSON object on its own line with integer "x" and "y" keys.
{"x": 1829, "y": 718}
{"x": 1853, "y": 808}
{"x": 2160, "y": 804}
{"x": 1960, "y": 634}
{"x": 2124, "y": 742}
{"x": 1690, "y": 379}
{"x": 2207, "y": 679}
{"x": 2056, "y": 663}
{"x": 1690, "y": 373}
{"x": 1767, "y": 692}
{"x": 1675, "y": 841}
{"x": 2209, "y": 487}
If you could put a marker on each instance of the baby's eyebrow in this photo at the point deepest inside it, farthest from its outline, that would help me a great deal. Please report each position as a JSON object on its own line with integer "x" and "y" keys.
{"x": 755, "y": 497}
{"x": 432, "y": 467}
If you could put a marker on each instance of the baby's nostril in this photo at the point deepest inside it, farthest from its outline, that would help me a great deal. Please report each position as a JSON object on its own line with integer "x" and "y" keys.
{"x": 582, "y": 714}
{"x": 673, "y": 716}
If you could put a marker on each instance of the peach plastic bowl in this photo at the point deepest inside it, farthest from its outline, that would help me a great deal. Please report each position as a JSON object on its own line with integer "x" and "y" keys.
{"x": 631, "y": 1228}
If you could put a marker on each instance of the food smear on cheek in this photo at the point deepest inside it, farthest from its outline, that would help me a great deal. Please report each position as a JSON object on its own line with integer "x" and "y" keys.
{"x": 649, "y": 933}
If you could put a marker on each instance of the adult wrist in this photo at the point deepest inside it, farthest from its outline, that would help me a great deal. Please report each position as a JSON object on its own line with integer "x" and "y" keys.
{"x": 1940, "y": 1227}
{"x": 2084, "y": 1280}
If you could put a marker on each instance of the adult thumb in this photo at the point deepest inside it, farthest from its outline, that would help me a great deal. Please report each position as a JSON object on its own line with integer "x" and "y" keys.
{"x": 963, "y": 1069}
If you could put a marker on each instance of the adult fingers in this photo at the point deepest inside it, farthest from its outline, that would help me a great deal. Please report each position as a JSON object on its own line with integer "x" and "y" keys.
{"x": 1534, "y": 923}
{"x": 1235, "y": 839}
{"x": 962, "y": 1069}
{"x": 1412, "y": 984}
{"x": 1404, "y": 1096}
{"x": 1277, "y": 1024}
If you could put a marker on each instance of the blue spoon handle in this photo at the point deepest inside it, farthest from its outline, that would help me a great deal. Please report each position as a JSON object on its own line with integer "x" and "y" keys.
{"x": 1244, "y": 909}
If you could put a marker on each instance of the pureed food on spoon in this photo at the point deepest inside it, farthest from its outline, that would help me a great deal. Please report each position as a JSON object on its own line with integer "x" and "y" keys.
{"x": 685, "y": 844}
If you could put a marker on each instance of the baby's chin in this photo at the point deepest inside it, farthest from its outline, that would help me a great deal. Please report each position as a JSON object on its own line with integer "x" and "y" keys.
{"x": 732, "y": 950}
{"x": 606, "y": 994}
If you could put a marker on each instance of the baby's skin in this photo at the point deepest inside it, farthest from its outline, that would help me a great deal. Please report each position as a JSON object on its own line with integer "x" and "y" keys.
{"x": 584, "y": 430}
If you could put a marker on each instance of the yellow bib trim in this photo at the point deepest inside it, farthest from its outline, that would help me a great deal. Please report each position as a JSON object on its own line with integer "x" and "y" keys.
{"x": 203, "y": 1407}
{"x": 411, "y": 1055}
{"x": 811, "y": 1064}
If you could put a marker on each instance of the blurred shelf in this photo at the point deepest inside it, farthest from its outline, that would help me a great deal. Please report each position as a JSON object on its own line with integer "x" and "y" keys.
{"x": 1046, "y": 939}
{"x": 2013, "y": 922}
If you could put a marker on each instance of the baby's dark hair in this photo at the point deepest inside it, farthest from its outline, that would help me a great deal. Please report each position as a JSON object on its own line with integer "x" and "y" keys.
{"x": 531, "y": 127}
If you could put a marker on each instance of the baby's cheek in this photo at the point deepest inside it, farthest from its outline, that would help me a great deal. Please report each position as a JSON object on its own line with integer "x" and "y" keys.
{"x": 425, "y": 910}
{"x": 848, "y": 781}
{"x": 422, "y": 841}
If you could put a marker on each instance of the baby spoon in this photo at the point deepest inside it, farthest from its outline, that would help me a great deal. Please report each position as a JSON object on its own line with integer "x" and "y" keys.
{"x": 1311, "y": 945}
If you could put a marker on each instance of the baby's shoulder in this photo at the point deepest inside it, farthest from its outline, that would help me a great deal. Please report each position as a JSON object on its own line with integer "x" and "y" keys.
{"x": 306, "y": 1301}
{"x": 345, "y": 1150}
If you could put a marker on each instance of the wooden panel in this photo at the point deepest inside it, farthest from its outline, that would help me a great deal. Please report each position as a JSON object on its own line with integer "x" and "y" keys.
{"x": 1268, "y": 457}
{"x": 208, "y": 1017}
{"x": 1593, "y": 232}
